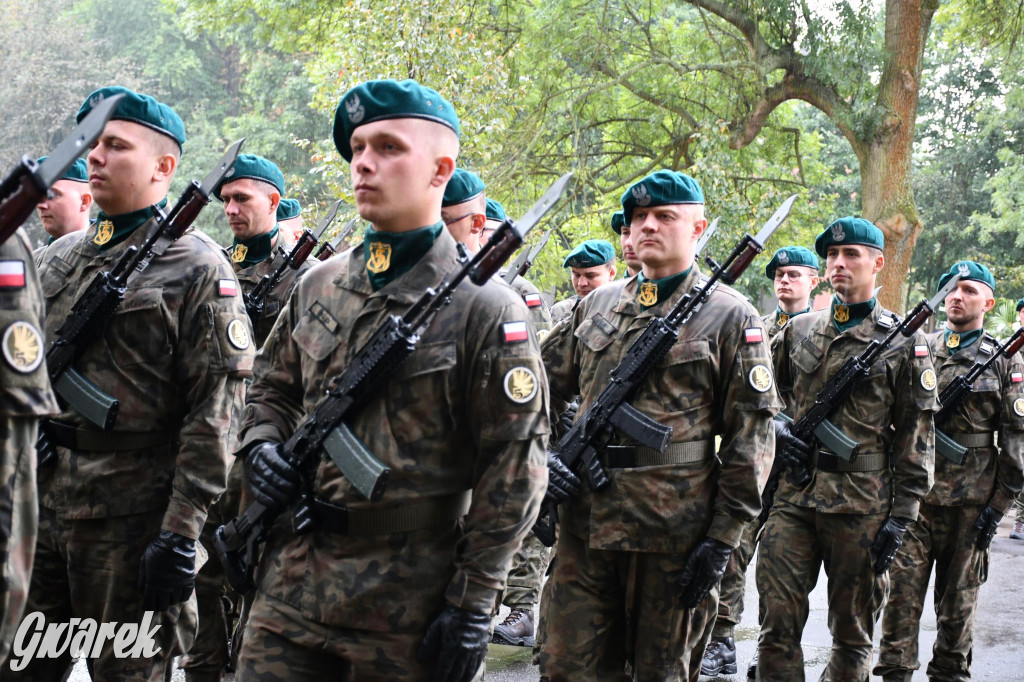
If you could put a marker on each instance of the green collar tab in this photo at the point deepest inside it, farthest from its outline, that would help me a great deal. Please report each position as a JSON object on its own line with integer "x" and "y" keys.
{"x": 651, "y": 292}
{"x": 389, "y": 255}
{"x": 249, "y": 252}
{"x": 956, "y": 341}
{"x": 112, "y": 230}
{"x": 847, "y": 315}
{"x": 782, "y": 317}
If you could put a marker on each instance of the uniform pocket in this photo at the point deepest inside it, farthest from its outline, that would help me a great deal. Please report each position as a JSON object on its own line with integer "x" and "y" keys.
{"x": 316, "y": 333}
{"x": 420, "y": 393}
{"x": 596, "y": 333}
{"x": 140, "y": 314}
{"x": 685, "y": 379}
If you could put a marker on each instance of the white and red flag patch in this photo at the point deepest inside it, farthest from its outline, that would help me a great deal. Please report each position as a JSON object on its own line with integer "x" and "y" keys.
{"x": 515, "y": 331}
{"x": 1016, "y": 377}
{"x": 12, "y": 274}
{"x": 753, "y": 335}
{"x": 920, "y": 351}
{"x": 227, "y": 287}
{"x": 532, "y": 300}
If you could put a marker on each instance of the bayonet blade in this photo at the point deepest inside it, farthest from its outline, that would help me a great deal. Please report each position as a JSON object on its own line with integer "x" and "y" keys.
{"x": 535, "y": 251}
{"x": 941, "y": 294}
{"x": 225, "y": 163}
{"x": 706, "y": 237}
{"x": 543, "y": 205}
{"x": 328, "y": 219}
{"x": 345, "y": 232}
{"x": 80, "y": 139}
{"x": 775, "y": 221}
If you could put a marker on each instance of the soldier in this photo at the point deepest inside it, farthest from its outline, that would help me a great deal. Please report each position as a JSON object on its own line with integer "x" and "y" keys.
{"x": 960, "y": 514}
{"x": 591, "y": 264}
{"x": 1018, "y": 524}
{"x": 403, "y": 589}
{"x": 289, "y": 218}
{"x": 620, "y": 227}
{"x": 495, "y": 214}
{"x": 639, "y": 561}
{"x": 25, "y": 396}
{"x": 121, "y": 510}
{"x": 66, "y": 207}
{"x": 794, "y": 274}
{"x": 851, "y": 516}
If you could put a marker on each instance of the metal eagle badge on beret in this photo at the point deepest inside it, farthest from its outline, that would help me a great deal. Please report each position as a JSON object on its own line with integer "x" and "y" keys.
{"x": 237, "y": 334}
{"x": 641, "y": 195}
{"x": 928, "y": 379}
{"x": 837, "y": 232}
{"x": 783, "y": 258}
{"x": 104, "y": 233}
{"x": 238, "y": 255}
{"x": 380, "y": 257}
{"x": 964, "y": 269}
{"x": 760, "y": 378}
{"x": 648, "y": 294}
{"x": 520, "y": 384}
{"x": 1018, "y": 407}
{"x": 355, "y": 109}
{"x": 22, "y": 347}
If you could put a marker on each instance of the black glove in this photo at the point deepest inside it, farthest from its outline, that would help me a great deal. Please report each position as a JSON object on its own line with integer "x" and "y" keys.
{"x": 46, "y": 451}
{"x": 563, "y": 484}
{"x": 167, "y": 573}
{"x": 458, "y": 639}
{"x": 795, "y": 453}
{"x": 985, "y": 526}
{"x": 566, "y": 419}
{"x": 704, "y": 569}
{"x": 887, "y": 543}
{"x": 274, "y": 482}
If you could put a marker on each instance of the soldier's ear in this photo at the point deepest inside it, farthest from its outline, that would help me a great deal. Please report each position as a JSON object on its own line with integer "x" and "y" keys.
{"x": 165, "y": 167}
{"x": 444, "y": 166}
{"x": 275, "y": 200}
{"x": 86, "y": 202}
{"x": 477, "y": 226}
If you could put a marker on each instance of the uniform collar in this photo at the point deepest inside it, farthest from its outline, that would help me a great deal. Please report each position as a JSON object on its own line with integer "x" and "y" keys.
{"x": 958, "y": 341}
{"x": 110, "y": 231}
{"x": 431, "y": 268}
{"x": 782, "y": 317}
{"x": 252, "y": 250}
{"x": 389, "y": 255}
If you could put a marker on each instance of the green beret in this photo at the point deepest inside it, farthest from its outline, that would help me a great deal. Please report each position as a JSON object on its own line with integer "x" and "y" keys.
{"x": 141, "y": 109}
{"x": 590, "y": 253}
{"x": 968, "y": 269}
{"x": 618, "y": 220}
{"x": 495, "y": 211}
{"x": 288, "y": 209}
{"x": 660, "y": 189}
{"x": 78, "y": 172}
{"x": 791, "y": 255}
{"x": 256, "y": 168}
{"x": 1020, "y": 304}
{"x": 383, "y": 99}
{"x": 462, "y": 187}
{"x": 849, "y": 230}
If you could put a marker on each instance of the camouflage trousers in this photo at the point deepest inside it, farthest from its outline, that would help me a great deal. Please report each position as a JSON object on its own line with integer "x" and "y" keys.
{"x": 943, "y": 536}
{"x": 528, "y": 566}
{"x": 19, "y": 519}
{"x": 1019, "y": 504}
{"x": 794, "y": 544}
{"x": 605, "y": 609}
{"x": 90, "y": 569}
{"x": 730, "y": 600}
{"x": 281, "y": 645}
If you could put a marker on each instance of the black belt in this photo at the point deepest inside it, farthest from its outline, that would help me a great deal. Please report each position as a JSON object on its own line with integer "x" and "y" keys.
{"x": 406, "y": 518}
{"x": 974, "y": 440}
{"x": 631, "y": 456}
{"x": 823, "y": 460}
{"x": 67, "y": 436}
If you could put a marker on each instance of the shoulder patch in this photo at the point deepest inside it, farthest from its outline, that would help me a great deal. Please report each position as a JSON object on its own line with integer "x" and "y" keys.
{"x": 22, "y": 346}
{"x": 760, "y": 378}
{"x": 533, "y": 300}
{"x": 1018, "y": 407}
{"x": 237, "y": 334}
{"x": 513, "y": 332}
{"x": 227, "y": 287}
{"x": 521, "y": 385}
{"x": 920, "y": 351}
{"x": 753, "y": 335}
{"x": 12, "y": 274}
{"x": 1016, "y": 377}
{"x": 928, "y": 379}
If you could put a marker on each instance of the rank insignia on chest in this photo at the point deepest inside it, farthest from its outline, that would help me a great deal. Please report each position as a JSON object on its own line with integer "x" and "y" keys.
{"x": 781, "y": 319}
{"x": 515, "y": 331}
{"x": 12, "y": 274}
{"x": 532, "y": 300}
{"x": 760, "y": 378}
{"x": 520, "y": 384}
{"x": 238, "y": 255}
{"x": 928, "y": 379}
{"x": 841, "y": 314}
{"x": 380, "y": 257}
{"x": 1018, "y": 407}
{"x": 753, "y": 335}
{"x": 227, "y": 287}
{"x": 237, "y": 334}
{"x": 920, "y": 351}
{"x": 22, "y": 346}
{"x": 1016, "y": 377}
{"x": 104, "y": 232}
{"x": 648, "y": 294}
{"x": 953, "y": 341}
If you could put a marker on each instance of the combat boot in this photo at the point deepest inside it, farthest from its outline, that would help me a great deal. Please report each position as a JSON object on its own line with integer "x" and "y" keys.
{"x": 516, "y": 629}
{"x": 1018, "y": 531}
{"x": 752, "y": 667}
{"x": 719, "y": 657}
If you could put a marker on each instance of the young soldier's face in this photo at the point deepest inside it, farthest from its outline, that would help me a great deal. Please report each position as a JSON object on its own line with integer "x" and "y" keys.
{"x": 794, "y": 284}
{"x": 585, "y": 280}
{"x": 967, "y": 304}
{"x": 628, "y": 253}
{"x": 250, "y": 206}
{"x": 851, "y": 270}
{"x": 62, "y": 212}
{"x": 122, "y": 166}
{"x": 665, "y": 237}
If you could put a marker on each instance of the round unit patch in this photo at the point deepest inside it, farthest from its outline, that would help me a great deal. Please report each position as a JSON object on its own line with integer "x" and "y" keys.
{"x": 23, "y": 347}
{"x": 1018, "y": 407}
{"x": 237, "y": 334}
{"x": 760, "y": 378}
{"x": 928, "y": 379}
{"x": 520, "y": 384}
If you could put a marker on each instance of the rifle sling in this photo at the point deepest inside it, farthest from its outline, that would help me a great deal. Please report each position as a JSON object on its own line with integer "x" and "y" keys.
{"x": 631, "y": 456}
{"x": 408, "y": 517}
{"x": 823, "y": 460}
{"x": 87, "y": 440}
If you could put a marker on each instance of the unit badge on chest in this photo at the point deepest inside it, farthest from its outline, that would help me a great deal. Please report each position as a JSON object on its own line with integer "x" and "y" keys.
{"x": 648, "y": 294}
{"x": 238, "y": 255}
{"x": 380, "y": 257}
{"x": 104, "y": 233}
{"x": 841, "y": 314}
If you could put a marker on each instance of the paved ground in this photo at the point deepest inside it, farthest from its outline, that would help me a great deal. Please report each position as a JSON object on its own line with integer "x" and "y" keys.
{"x": 998, "y": 647}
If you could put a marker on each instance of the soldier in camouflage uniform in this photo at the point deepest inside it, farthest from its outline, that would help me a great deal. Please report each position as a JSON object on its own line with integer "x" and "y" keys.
{"x": 591, "y": 264}
{"x": 638, "y": 562}
{"x": 1018, "y": 523}
{"x": 65, "y": 208}
{"x": 289, "y": 218}
{"x": 851, "y": 516}
{"x": 403, "y": 589}
{"x": 121, "y": 510}
{"x": 793, "y": 271}
{"x": 960, "y": 514}
{"x": 25, "y": 396}
{"x": 620, "y": 227}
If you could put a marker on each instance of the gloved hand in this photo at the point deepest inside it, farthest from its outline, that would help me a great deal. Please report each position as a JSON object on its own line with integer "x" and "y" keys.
{"x": 46, "y": 451}
{"x": 167, "y": 573}
{"x": 274, "y": 482}
{"x": 887, "y": 543}
{"x": 566, "y": 419}
{"x": 985, "y": 527}
{"x": 458, "y": 640}
{"x": 597, "y": 477}
{"x": 795, "y": 453}
{"x": 704, "y": 569}
{"x": 563, "y": 484}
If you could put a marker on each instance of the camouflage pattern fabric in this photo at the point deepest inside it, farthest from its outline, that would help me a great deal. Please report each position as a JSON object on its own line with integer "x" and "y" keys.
{"x": 771, "y": 323}
{"x": 730, "y": 600}
{"x": 25, "y": 395}
{"x": 539, "y": 314}
{"x": 563, "y": 309}
{"x": 943, "y": 534}
{"x": 653, "y": 516}
{"x": 467, "y": 410}
{"x": 835, "y": 518}
{"x": 524, "y": 580}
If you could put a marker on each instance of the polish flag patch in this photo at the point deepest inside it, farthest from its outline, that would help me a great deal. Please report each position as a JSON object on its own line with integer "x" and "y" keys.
{"x": 532, "y": 300}
{"x": 920, "y": 351}
{"x": 1016, "y": 377}
{"x": 227, "y": 287}
{"x": 12, "y": 274}
{"x": 515, "y": 331}
{"x": 753, "y": 335}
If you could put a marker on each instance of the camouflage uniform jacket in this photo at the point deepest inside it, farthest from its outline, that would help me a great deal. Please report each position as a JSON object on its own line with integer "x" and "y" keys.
{"x": 531, "y": 296}
{"x": 174, "y": 353}
{"x": 563, "y": 309}
{"x": 249, "y": 277}
{"x": 704, "y": 387}
{"x": 890, "y": 412}
{"x": 770, "y": 323}
{"x": 445, "y": 423}
{"x": 991, "y": 475}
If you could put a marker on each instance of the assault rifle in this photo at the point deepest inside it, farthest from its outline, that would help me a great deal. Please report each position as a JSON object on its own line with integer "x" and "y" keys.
{"x": 959, "y": 389}
{"x": 92, "y": 309}
{"x": 256, "y": 300}
{"x": 29, "y": 181}
{"x": 840, "y": 386}
{"x": 611, "y": 411}
{"x": 324, "y": 430}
